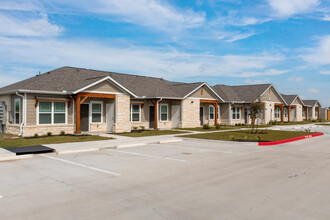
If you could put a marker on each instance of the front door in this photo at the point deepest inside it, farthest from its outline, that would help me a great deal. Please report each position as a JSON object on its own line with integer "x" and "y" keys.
{"x": 151, "y": 116}
{"x": 110, "y": 117}
{"x": 246, "y": 116}
{"x": 293, "y": 114}
{"x": 175, "y": 116}
{"x": 84, "y": 117}
{"x": 201, "y": 115}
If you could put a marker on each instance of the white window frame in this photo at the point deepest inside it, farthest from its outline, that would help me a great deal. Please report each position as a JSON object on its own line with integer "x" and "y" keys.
{"x": 52, "y": 113}
{"x": 19, "y": 112}
{"x": 286, "y": 112}
{"x": 160, "y": 112}
{"x": 131, "y": 113}
{"x": 218, "y": 112}
{"x": 236, "y": 113}
{"x": 211, "y": 106}
{"x": 91, "y": 112}
{"x": 279, "y": 113}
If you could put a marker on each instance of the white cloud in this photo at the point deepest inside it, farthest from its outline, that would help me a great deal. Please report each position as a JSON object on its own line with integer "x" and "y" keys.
{"x": 326, "y": 17}
{"x": 287, "y": 8}
{"x": 162, "y": 62}
{"x": 28, "y": 27}
{"x": 260, "y": 81}
{"x": 20, "y": 5}
{"x": 320, "y": 55}
{"x": 156, "y": 13}
{"x": 295, "y": 79}
{"x": 325, "y": 72}
{"x": 313, "y": 91}
{"x": 240, "y": 36}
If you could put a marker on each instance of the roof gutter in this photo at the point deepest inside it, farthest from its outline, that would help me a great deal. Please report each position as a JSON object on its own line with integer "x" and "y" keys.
{"x": 35, "y": 91}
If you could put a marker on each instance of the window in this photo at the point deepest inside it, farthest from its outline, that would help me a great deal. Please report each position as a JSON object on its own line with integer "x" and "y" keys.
{"x": 285, "y": 112}
{"x": 277, "y": 112}
{"x": 52, "y": 113}
{"x": 304, "y": 113}
{"x": 316, "y": 110}
{"x": 236, "y": 113}
{"x": 17, "y": 110}
{"x": 96, "y": 112}
{"x": 163, "y": 112}
{"x": 211, "y": 108}
{"x": 218, "y": 112}
{"x": 135, "y": 112}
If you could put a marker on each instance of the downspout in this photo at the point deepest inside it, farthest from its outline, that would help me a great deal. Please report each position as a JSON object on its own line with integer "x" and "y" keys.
{"x": 158, "y": 110}
{"x": 23, "y": 115}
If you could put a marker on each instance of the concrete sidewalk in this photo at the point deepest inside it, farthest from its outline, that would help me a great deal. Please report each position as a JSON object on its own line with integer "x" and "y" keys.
{"x": 6, "y": 155}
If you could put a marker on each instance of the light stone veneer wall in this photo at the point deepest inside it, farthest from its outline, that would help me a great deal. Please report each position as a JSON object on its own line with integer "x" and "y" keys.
{"x": 98, "y": 127}
{"x": 122, "y": 111}
{"x": 29, "y": 131}
{"x": 139, "y": 124}
{"x": 268, "y": 108}
{"x": 299, "y": 110}
{"x": 165, "y": 124}
{"x": 190, "y": 113}
{"x": 12, "y": 129}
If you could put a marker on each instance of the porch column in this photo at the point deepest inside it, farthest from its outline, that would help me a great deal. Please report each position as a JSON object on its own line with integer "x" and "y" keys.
{"x": 318, "y": 113}
{"x": 306, "y": 113}
{"x": 78, "y": 131}
{"x": 230, "y": 114}
{"x": 289, "y": 113}
{"x": 216, "y": 113}
{"x": 156, "y": 116}
{"x": 281, "y": 113}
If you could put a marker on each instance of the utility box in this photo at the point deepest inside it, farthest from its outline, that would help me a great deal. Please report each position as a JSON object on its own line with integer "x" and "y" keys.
{"x": 3, "y": 116}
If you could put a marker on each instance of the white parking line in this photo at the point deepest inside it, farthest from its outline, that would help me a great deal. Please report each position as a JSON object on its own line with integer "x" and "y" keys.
{"x": 146, "y": 155}
{"x": 198, "y": 149}
{"x": 1, "y": 196}
{"x": 82, "y": 165}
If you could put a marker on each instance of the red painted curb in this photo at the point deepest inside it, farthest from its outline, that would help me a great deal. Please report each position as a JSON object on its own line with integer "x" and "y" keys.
{"x": 289, "y": 140}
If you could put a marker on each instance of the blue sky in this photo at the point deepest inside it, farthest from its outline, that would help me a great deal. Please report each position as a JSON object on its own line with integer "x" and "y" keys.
{"x": 233, "y": 42}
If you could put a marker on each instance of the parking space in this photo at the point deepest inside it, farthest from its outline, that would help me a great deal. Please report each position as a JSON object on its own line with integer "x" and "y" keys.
{"x": 192, "y": 179}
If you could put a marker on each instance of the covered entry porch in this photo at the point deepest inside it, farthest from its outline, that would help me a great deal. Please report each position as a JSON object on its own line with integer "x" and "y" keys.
{"x": 208, "y": 112}
{"x": 94, "y": 112}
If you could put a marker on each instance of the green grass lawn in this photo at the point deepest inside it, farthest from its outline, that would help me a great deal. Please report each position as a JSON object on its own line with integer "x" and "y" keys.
{"x": 302, "y": 122}
{"x": 221, "y": 128}
{"x": 151, "y": 133}
{"x": 246, "y": 135}
{"x": 10, "y": 141}
{"x": 323, "y": 124}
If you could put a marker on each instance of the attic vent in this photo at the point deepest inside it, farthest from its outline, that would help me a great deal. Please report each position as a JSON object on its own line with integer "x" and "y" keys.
{"x": 202, "y": 91}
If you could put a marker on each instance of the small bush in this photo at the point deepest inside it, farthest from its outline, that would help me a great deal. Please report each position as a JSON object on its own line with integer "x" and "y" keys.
{"x": 49, "y": 133}
{"x": 206, "y": 126}
{"x": 320, "y": 120}
{"x": 245, "y": 138}
{"x": 313, "y": 120}
{"x": 142, "y": 128}
{"x": 36, "y": 135}
{"x": 135, "y": 128}
{"x": 258, "y": 138}
{"x": 62, "y": 133}
{"x": 217, "y": 126}
{"x": 232, "y": 137}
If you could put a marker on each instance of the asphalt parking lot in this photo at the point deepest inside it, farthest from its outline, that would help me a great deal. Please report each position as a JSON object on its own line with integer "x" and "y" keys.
{"x": 192, "y": 179}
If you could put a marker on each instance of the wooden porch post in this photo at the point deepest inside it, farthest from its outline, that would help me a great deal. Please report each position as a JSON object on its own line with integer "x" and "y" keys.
{"x": 289, "y": 113}
{"x": 306, "y": 112}
{"x": 215, "y": 113}
{"x": 281, "y": 113}
{"x": 318, "y": 113}
{"x": 78, "y": 131}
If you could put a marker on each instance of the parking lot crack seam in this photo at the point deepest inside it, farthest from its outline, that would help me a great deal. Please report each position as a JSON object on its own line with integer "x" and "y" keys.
{"x": 82, "y": 165}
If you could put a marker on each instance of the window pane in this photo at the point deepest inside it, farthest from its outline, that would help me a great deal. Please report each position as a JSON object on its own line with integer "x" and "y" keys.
{"x": 163, "y": 117}
{"x": 45, "y": 106}
{"x": 59, "y": 106}
{"x": 135, "y": 117}
{"x": 45, "y": 118}
{"x": 96, "y": 117}
{"x": 17, "y": 106}
{"x": 136, "y": 108}
{"x": 96, "y": 108}
{"x": 212, "y": 116}
{"x": 17, "y": 118}
{"x": 59, "y": 118}
{"x": 163, "y": 109}
{"x": 211, "y": 109}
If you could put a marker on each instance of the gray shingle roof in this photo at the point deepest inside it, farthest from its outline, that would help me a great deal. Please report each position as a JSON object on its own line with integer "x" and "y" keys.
{"x": 310, "y": 102}
{"x": 71, "y": 79}
{"x": 243, "y": 93}
{"x": 289, "y": 98}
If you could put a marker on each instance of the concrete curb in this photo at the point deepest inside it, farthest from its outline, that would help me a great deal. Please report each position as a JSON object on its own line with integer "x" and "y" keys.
{"x": 11, "y": 158}
{"x": 77, "y": 151}
{"x": 130, "y": 145}
{"x": 289, "y": 140}
{"x": 169, "y": 141}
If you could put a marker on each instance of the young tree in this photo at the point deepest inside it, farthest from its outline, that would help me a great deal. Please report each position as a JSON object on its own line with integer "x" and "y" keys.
{"x": 255, "y": 112}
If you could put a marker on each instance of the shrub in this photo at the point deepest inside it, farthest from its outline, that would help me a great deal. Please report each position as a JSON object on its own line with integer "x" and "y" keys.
{"x": 142, "y": 128}
{"x": 232, "y": 137}
{"x": 135, "y": 128}
{"x": 206, "y": 126}
{"x": 49, "y": 133}
{"x": 313, "y": 120}
{"x": 245, "y": 138}
{"x": 320, "y": 120}
{"x": 259, "y": 138}
{"x": 36, "y": 135}
{"x": 62, "y": 133}
{"x": 217, "y": 126}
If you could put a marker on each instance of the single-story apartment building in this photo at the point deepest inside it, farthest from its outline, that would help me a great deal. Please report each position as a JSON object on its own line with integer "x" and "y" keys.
{"x": 294, "y": 110}
{"x": 312, "y": 109}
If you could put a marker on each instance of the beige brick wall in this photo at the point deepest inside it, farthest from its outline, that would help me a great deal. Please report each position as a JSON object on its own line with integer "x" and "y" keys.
{"x": 299, "y": 110}
{"x": 12, "y": 129}
{"x": 190, "y": 113}
{"x": 122, "y": 111}
{"x": 29, "y": 131}
{"x": 138, "y": 124}
{"x": 98, "y": 127}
